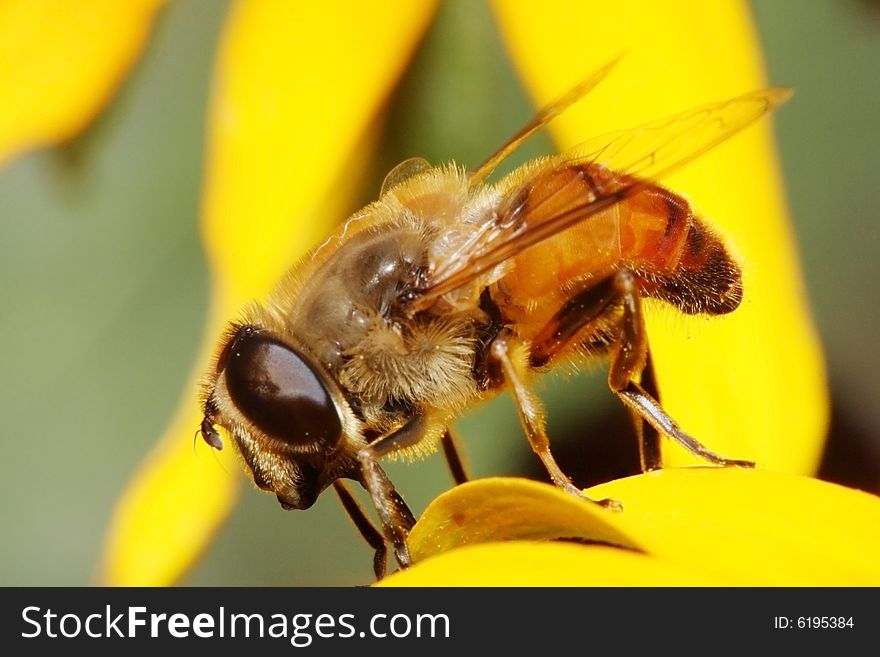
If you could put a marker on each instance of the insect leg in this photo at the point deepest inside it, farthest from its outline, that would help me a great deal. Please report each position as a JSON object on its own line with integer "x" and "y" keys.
{"x": 628, "y": 361}
{"x": 592, "y": 311}
{"x": 531, "y": 415}
{"x": 583, "y": 309}
{"x": 586, "y": 311}
{"x": 650, "y": 453}
{"x": 371, "y": 535}
{"x": 451, "y": 451}
{"x": 396, "y": 517}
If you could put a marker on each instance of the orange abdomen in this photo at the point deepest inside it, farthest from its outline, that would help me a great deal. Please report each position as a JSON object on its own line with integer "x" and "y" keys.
{"x": 645, "y": 232}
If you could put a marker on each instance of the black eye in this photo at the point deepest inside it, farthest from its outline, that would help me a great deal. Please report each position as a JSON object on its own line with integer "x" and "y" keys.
{"x": 277, "y": 390}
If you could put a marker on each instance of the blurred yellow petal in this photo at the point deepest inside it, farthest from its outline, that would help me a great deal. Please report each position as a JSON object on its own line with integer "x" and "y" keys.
{"x": 60, "y": 62}
{"x": 297, "y": 86}
{"x": 750, "y": 384}
{"x": 171, "y": 509}
{"x": 690, "y": 525}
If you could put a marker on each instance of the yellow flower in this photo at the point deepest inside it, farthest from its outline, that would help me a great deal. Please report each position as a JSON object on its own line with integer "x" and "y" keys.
{"x": 679, "y": 527}
{"x": 60, "y": 62}
{"x": 297, "y": 87}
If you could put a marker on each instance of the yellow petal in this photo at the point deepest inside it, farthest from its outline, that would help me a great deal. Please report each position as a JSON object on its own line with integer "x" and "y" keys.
{"x": 766, "y": 527}
{"x": 503, "y": 509}
{"x": 60, "y": 62}
{"x": 521, "y": 563}
{"x": 297, "y": 87}
{"x": 750, "y": 384}
{"x": 690, "y": 526}
{"x": 172, "y": 508}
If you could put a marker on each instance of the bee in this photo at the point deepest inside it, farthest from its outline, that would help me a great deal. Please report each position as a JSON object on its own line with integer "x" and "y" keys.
{"x": 449, "y": 289}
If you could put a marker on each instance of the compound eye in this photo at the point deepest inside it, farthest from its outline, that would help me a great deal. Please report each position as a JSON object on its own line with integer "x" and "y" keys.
{"x": 279, "y": 391}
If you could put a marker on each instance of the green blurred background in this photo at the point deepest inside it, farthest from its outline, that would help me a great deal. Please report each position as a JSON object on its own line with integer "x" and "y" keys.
{"x": 104, "y": 284}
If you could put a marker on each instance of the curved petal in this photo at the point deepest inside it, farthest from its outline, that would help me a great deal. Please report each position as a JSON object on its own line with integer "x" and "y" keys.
{"x": 505, "y": 508}
{"x": 60, "y": 62}
{"x": 750, "y": 384}
{"x": 522, "y": 563}
{"x": 682, "y": 526}
{"x": 766, "y": 527}
{"x": 296, "y": 89}
{"x": 171, "y": 508}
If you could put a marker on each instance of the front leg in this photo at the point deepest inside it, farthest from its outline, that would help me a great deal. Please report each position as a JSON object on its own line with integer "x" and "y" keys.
{"x": 371, "y": 535}
{"x": 451, "y": 451}
{"x": 393, "y": 512}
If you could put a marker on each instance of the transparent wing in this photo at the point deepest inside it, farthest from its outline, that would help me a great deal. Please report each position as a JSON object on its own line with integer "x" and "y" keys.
{"x": 542, "y": 118}
{"x": 623, "y": 163}
{"x": 654, "y": 149}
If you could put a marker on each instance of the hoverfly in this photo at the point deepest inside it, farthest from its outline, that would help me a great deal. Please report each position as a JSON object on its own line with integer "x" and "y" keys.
{"x": 448, "y": 290}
